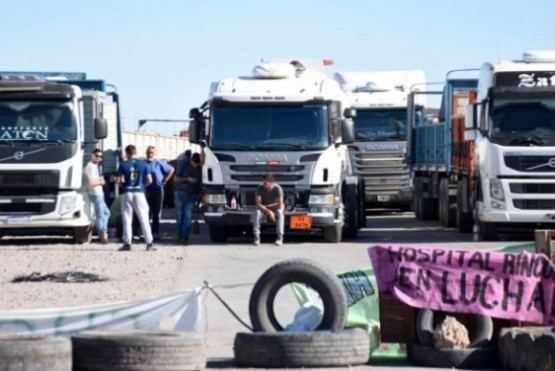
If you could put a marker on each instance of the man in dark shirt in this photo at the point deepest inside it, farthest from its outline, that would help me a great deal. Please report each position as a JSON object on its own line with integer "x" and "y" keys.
{"x": 269, "y": 201}
{"x": 133, "y": 175}
{"x": 188, "y": 180}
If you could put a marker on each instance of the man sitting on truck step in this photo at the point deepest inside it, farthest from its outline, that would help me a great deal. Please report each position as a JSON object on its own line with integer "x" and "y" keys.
{"x": 269, "y": 200}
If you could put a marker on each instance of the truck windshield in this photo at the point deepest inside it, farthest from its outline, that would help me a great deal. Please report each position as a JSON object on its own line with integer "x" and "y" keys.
{"x": 37, "y": 121}
{"x": 269, "y": 127}
{"x": 381, "y": 125}
{"x": 523, "y": 122}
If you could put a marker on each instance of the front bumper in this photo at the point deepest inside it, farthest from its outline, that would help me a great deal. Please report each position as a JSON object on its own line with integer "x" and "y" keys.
{"x": 245, "y": 218}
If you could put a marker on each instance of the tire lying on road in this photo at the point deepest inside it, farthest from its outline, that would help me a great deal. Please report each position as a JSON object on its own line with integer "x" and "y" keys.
{"x": 261, "y": 303}
{"x": 527, "y": 348}
{"x": 151, "y": 350}
{"x": 34, "y": 353}
{"x": 302, "y": 349}
{"x": 480, "y": 336}
{"x": 466, "y": 358}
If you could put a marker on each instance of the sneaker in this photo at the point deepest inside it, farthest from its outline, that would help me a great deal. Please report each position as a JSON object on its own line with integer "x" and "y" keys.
{"x": 279, "y": 241}
{"x": 125, "y": 247}
{"x": 103, "y": 237}
{"x": 256, "y": 240}
{"x": 151, "y": 247}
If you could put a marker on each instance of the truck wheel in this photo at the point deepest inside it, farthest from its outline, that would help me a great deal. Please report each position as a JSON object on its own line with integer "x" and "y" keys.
{"x": 302, "y": 349}
{"x": 34, "y": 352}
{"x": 429, "y": 208}
{"x": 417, "y": 199}
{"x": 333, "y": 234}
{"x": 465, "y": 221}
{"x": 526, "y": 348}
{"x": 447, "y": 214}
{"x": 82, "y": 235}
{"x": 361, "y": 204}
{"x": 350, "y": 229}
{"x": 138, "y": 350}
{"x": 324, "y": 282}
{"x": 487, "y": 231}
{"x": 218, "y": 233}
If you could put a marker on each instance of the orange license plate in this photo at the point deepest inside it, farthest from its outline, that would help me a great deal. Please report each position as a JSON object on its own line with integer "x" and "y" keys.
{"x": 300, "y": 222}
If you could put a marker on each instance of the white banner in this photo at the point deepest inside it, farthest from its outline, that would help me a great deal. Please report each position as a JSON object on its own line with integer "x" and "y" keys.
{"x": 178, "y": 311}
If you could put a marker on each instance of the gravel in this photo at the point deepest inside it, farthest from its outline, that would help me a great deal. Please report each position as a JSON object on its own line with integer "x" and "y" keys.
{"x": 132, "y": 275}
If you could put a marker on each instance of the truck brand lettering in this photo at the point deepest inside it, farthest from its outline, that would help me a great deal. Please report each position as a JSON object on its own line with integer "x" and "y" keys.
{"x": 521, "y": 79}
{"x": 24, "y": 133}
{"x": 382, "y": 147}
{"x": 256, "y": 157}
{"x": 531, "y": 81}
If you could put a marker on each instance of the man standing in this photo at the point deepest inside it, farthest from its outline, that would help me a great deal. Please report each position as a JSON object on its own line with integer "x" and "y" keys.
{"x": 188, "y": 178}
{"x": 161, "y": 174}
{"x": 133, "y": 175}
{"x": 96, "y": 182}
{"x": 269, "y": 201}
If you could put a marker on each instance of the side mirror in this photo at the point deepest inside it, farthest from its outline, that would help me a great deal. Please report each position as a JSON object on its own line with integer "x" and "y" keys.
{"x": 194, "y": 113}
{"x": 350, "y": 113}
{"x": 100, "y": 128}
{"x": 194, "y": 129}
{"x": 347, "y": 131}
{"x": 470, "y": 116}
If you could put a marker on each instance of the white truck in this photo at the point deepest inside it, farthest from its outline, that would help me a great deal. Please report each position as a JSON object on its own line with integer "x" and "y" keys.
{"x": 47, "y": 131}
{"x": 291, "y": 120}
{"x": 378, "y": 154}
{"x": 512, "y": 124}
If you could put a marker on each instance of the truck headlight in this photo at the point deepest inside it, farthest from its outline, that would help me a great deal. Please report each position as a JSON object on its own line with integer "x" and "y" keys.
{"x": 328, "y": 199}
{"x": 215, "y": 199}
{"x": 496, "y": 193}
{"x": 68, "y": 203}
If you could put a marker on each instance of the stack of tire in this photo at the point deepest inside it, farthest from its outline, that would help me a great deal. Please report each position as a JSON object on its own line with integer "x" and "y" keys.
{"x": 329, "y": 345}
{"x": 34, "y": 353}
{"x": 479, "y": 355}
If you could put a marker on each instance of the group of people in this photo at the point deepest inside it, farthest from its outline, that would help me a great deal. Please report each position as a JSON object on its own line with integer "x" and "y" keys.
{"x": 141, "y": 185}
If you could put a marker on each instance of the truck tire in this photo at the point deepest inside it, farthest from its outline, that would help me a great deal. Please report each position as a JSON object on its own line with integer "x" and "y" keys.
{"x": 34, "y": 353}
{"x": 151, "y": 350}
{"x": 466, "y": 358}
{"x": 427, "y": 207}
{"x": 302, "y": 349}
{"x": 447, "y": 214}
{"x": 465, "y": 221}
{"x": 82, "y": 235}
{"x": 218, "y": 233}
{"x": 333, "y": 233}
{"x": 325, "y": 283}
{"x": 350, "y": 226}
{"x": 487, "y": 231}
{"x": 526, "y": 348}
{"x": 361, "y": 203}
{"x": 480, "y": 336}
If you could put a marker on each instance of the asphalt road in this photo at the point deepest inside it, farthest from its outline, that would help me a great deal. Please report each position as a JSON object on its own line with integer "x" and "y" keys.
{"x": 233, "y": 268}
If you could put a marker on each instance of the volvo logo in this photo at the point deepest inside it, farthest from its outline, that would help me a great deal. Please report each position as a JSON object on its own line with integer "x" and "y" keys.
{"x": 550, "y": 163}
{"x": 18, "y": 155}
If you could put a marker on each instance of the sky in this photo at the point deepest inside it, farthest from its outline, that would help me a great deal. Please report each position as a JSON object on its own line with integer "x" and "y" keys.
{"x": 162, "y": 55}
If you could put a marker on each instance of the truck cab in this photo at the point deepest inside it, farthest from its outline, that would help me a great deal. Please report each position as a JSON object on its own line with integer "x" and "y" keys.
{"x": 287, "y": 118}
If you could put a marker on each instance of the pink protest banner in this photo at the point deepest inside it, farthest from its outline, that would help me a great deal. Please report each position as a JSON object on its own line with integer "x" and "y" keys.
{"x": 503, "y": 285}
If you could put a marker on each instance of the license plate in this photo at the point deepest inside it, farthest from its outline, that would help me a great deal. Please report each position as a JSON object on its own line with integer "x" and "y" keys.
{"x": 300, "y": 222}
{"x": 383, "y": 198}
{"x": 18, "y": 219}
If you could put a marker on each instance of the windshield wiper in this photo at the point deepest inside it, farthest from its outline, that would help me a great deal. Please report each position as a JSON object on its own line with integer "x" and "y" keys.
{"x": 284, "y": 145}
{"x": 364, "y": 136}
{"x": 234, "y": 146}
{"x": 532, "y": 140}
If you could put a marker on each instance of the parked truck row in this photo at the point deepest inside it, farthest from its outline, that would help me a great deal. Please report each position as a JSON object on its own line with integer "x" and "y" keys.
{"x": 486, "y": 163}
{"x": 50, "y": 122}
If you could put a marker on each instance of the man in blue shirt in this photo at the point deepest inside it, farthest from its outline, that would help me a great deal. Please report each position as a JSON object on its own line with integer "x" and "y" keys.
{"x": 133, "y": 175}
{"x": 161, "y": 174}
{"x": 188, "y": 180}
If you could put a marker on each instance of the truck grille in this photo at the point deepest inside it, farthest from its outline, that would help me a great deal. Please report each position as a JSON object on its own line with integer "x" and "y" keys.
{"x": 535, "y": 188}
{"x": 383, "y": 172}
{"x": 254, "y": 173}
{"x": 25, "y": 180}
{"x": 27, "y": 208}
{"x": 531, "y": 163}
{"x": 534, "y": 204}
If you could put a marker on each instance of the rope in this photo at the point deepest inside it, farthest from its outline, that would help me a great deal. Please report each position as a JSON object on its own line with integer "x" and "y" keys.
{"x": 209, "y": 287}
